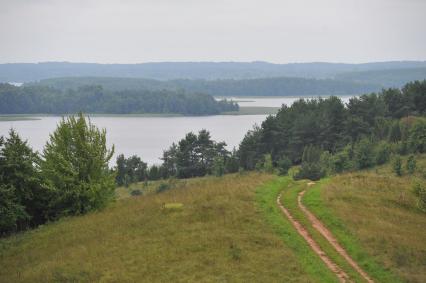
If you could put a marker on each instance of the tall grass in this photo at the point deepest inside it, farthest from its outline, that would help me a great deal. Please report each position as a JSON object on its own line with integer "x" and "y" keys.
{"x": 217, "y": 233}
{"x": 374, "y": 215}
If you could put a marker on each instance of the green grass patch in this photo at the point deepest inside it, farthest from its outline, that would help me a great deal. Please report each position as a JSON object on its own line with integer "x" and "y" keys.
{"x": 313, "y": 200}
{"x": 266, "y": 197}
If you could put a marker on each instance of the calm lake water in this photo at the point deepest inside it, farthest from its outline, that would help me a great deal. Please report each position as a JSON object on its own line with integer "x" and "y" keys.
{"x": 271, "y": 101}
{"x": 147, "y": 137}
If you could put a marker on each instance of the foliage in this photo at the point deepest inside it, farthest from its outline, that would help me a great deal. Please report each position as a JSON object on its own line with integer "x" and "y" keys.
{"x": 372, "y": 125}
{"x": 311, "y": 167}
{"x": 94, "y": 99}
{"x": 23, "y": 198}
{"x": 283, "y": 165}
{"x": 397, "y": 165}
{"x": 218, "y": 166}
{"x": 364, "y": 154}
{"x": 193, "y": 156}
{"x": 420, "y": 192}
{"x": 411, "y": 164}
{"x": 75, "y": 167}
{"x": 130, "y": 170}
{"x": 382, "y": 153}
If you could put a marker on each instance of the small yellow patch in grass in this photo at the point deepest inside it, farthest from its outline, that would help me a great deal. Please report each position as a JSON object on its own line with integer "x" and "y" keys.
{"x": 173, "y": 206}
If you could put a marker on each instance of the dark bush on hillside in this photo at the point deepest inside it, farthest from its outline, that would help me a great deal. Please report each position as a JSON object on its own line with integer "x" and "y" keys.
{"x": 311, "y": 167}
{"x": 382, "y": 153}
{"x": 163, "y": 187}
{"x": 363, "y": 154}
{"x": 397, "y": 165}
{"x": 136, "y": 192}
{"x": 411, "y": 164}
{"x": 420, "y": 192}
{"x": 283, "y": 165}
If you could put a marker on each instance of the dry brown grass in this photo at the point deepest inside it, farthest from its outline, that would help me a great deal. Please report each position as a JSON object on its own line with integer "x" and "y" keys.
{"x": 218, "y": 235}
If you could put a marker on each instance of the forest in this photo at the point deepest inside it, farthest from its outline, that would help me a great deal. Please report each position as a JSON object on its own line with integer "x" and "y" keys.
{"x": 94, "y": 99}
{"x": 324, "y": 136}
{"x": 274, "y": 86}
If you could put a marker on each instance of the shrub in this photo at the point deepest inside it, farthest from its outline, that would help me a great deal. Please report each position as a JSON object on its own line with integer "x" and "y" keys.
{"x": 341, "y": 161}
{"x": 382, "y": 153}
{"x": 311, "y": 171}
{"x": 411, "y": 164}
{"x": 420, "y": 192}
{"x": 136, "y": 192}
{"x": 397, "y": 165}
{"x": 284, "y": 165}
{"x": 363, "y": 154}
{"x": 267, "y": 164}
{"x": 218, "y": 166}
{"x": 163, "y": 187}
{"x": 417, "y": 137}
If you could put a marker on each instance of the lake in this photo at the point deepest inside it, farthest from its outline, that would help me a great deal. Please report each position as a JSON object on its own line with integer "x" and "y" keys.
{"x": 147, "y": 137}
{"x": 247, "y": 101}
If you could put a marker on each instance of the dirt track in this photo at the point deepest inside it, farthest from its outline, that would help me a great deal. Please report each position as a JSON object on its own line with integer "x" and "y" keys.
{"x": 341, "y": 275}
{"x": 320, "y": 227}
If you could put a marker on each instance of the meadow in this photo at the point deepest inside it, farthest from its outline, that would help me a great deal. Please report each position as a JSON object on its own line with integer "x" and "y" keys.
{"x": 374, "y": 215}
{"x": 209, "y": 229}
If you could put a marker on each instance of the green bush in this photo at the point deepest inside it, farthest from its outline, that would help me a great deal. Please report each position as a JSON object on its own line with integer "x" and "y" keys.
{"x": 363, "y": 154}
{"x": 397, "y": 165}
{"x": 411, "y": 164}
{"x": 420, "y": 192}
{"x": 283, "y": 165}
{"x": 382, "y": 153}
{"x": 163, "y": 187}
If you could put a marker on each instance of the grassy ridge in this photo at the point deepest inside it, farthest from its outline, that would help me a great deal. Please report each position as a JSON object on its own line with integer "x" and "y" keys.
{"x": 374, "y": 216}
{"x": 213, "y": 231}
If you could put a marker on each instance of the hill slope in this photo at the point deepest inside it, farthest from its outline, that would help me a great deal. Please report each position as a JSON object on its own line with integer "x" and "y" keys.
{"x": 218, "y": 235}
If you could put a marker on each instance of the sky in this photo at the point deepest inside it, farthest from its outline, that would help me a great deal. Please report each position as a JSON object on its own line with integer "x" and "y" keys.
{"x": 278, "y": 31}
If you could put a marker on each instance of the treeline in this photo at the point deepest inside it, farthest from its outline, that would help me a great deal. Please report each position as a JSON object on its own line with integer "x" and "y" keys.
{"x": 324, "y": 136}
{"x": 70, "y": 177}
{"x": 274, "y": 86}
{"x": 193, "y": 156}
{"x": 360, "y": 134}
{"x": 94, "y": 99}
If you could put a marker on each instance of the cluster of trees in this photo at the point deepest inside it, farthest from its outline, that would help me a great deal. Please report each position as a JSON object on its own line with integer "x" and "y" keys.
{"x": 70, "y": 177}
{"x": 349, "y": 134}
{"x": 94, "y": 99}
{"x": 193, "y": 156}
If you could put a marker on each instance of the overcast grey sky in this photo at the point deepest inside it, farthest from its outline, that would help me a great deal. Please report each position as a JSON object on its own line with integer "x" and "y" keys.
{"x": 280, "y": 31}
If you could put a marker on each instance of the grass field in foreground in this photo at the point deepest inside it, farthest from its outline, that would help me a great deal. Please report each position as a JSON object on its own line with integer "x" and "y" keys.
{"x": 212, "y": 231}
{"x": 374, "y": 215}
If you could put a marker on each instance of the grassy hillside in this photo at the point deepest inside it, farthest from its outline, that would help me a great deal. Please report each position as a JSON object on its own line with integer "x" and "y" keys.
{"x": 374, "y": 215}
{"x": 230, "y": 229}
{"x": 219, "y": 234}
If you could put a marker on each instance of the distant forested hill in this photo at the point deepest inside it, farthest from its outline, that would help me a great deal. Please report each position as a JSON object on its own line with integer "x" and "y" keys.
{"x": 25, "y": 72}
{"x": 385, "y": 78}
{"x": 249, "y": 87}
{"x": 94, "y": 99}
